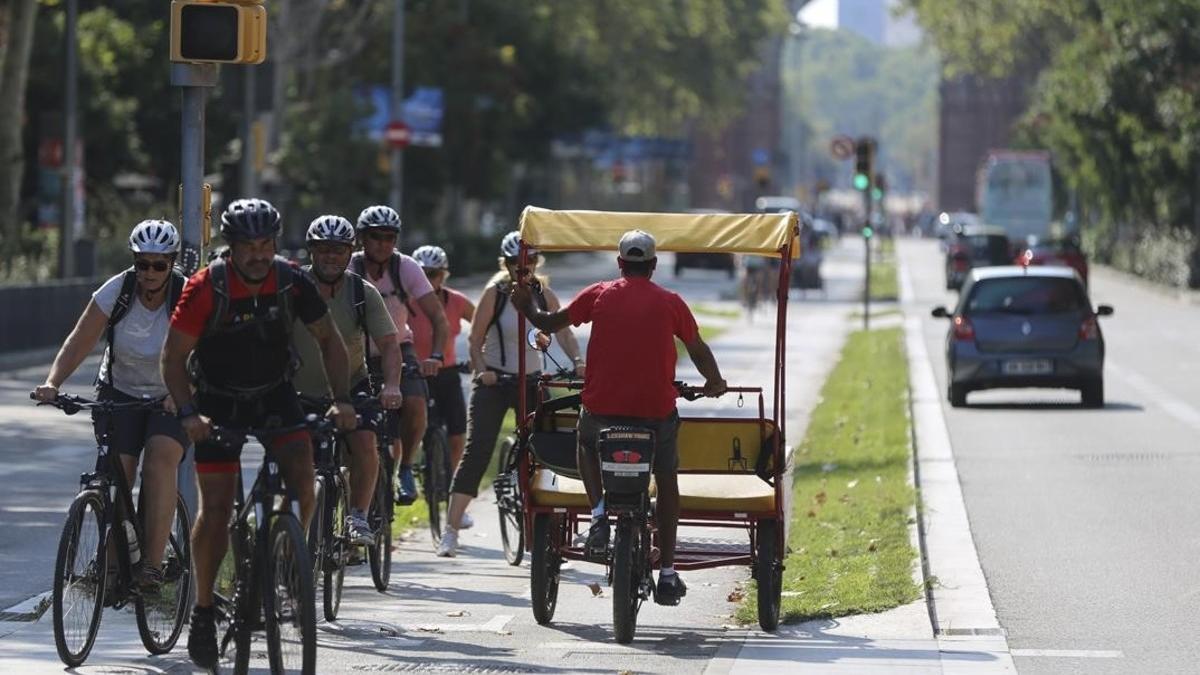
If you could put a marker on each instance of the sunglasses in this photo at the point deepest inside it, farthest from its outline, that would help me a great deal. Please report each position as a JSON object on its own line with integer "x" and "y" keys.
{"x": 157, "y": 265}
{"x": 381, "y": 236}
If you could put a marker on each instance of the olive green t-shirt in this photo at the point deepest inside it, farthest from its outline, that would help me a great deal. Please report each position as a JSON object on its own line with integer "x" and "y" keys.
{"x": 310, "y": 380}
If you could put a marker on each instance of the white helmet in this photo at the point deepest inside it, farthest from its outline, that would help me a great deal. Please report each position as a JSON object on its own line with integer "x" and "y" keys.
{"x": 510, "y": 246}
{"x": 379, "y": 217}
{"x": 330, "y": 228}
{"x": 154, "y": 236}
{"x": 431, "y": 257}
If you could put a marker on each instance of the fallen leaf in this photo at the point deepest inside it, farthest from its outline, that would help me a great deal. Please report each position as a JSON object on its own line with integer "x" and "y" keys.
{"x": 851, "y": 484}
{"x": 812, "y": 514}
{"x": 820, "y": 497}
{"x": 833, "y": 553}
{"x": 736, "y": 596}
{"x": 596, "y": 590}
{"x": 458, "y": 613}
{"x": 504, "y": 632}
{"x": 873, "y": 544}
{"x": 429, "y": 629}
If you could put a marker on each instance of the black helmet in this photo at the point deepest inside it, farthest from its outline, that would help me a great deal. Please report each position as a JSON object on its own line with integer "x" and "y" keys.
{"x": 249, "y": 219}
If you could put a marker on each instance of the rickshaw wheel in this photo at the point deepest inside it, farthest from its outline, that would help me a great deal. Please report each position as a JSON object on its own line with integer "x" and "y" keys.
{"x": 768, "y": 570}
{"x": 544, "y": 566}
{"x": 625, "y": 582}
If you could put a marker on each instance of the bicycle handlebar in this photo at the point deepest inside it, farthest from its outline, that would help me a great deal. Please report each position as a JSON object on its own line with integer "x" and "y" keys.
{"x": 73, "y": 404}
{"x": 232, "y": 436}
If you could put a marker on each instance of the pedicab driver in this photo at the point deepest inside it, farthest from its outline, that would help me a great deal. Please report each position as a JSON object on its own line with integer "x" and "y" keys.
{"x": 630, "y": 381}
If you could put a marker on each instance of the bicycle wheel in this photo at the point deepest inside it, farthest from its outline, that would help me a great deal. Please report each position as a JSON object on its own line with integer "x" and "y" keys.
{"x": 768, "y": 575}
{"x": 317, "y": 535}
{"x": 237, "y": 608}
{"x": 335, "y": 550}
{"x": 288, "y": 609}
{"x": 508, "y": 504}
{"x": 160, "y": 615}
{"x": 80, "y": 571}
{"x": 379, "y": 553}
{"x": 626, "y": 581}
{"x": 544, "y": 563}
{"x": 434, "y": 479}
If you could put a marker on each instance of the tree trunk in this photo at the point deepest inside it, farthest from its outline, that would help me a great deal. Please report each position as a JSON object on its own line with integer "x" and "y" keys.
{"x": 13, "y": 75}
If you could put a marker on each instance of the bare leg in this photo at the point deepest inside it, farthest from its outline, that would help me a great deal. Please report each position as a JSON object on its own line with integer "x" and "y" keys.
{"x": 364, "y": 469}
{"x": 412, "y": 427}
{"x": 159, "y": 493}
{"x": 458, "y": 506}
{"x": 210, "y": 535}
{"x": 667, "y": 514}
{"x": 296, "y": 462}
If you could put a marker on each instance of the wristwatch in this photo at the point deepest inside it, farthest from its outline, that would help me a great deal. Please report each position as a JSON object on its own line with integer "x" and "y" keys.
{"x": 437, "y": 356}
{"x": 186, "y": 410}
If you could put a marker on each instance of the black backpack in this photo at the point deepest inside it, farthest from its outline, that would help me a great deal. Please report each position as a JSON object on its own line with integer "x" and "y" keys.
{"x": 121, "y": 309}
{"x": 218, "y": 274}
{"x": 359, "y": 296}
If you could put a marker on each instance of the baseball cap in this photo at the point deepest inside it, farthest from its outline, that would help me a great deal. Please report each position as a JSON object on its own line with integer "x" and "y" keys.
{"x": 636, "y": 246}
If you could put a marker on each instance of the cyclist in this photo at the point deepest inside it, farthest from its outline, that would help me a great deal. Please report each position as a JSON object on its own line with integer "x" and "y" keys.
{"x": 631, "y": 382}
{"x": 357, "y": 309}
{"x": 494, "y": 342}
{"x": 132, "y": 310}
{"x": 446, "y": 387}
{"x": 403, "y": 285}
{"x": 235, "y": 319}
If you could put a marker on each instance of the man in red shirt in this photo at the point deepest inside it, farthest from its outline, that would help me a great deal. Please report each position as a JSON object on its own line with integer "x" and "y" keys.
{"x": 630, "y": 381}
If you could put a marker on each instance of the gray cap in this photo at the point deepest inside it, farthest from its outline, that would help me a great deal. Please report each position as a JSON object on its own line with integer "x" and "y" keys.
{"x": 636, "y": 246}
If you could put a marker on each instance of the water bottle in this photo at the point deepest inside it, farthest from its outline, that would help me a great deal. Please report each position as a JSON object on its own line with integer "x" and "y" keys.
{"x": 135, "y": 551}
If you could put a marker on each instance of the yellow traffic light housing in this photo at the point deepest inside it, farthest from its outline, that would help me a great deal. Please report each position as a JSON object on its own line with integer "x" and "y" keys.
{"x": 204, "y": 31}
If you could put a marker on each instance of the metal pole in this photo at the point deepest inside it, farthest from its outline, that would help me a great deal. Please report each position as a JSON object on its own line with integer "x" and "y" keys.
{"x": 70, "y": 140}
{"x": 396, "y": 195}
{"x": 867, "y": 260}
{"x": 195, "y": 80}
{"x": 249, "y": 179}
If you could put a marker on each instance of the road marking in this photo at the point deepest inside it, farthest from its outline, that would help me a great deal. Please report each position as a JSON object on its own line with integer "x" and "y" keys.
{"x": 1170, "y": 404}
{"x": 30, "y": 609}
{"x": 1071, "y": 653}
{"x": 495, "y": 625}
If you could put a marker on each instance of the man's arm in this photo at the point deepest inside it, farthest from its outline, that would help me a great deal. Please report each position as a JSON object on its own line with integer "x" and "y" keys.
{"x": 549, "y": 322}
{"x": 389, "y": 349}
{"x": 566, "y": 337}
{"x": 173, "y": 364}
{"x": 333, "y": 355}
{"x": 706, "y": 363}
{"x": 432, "y": 307}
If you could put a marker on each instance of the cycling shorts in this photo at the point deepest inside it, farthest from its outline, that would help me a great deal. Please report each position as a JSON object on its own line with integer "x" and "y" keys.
{"x": 277, "y": 408}
{"x": 129, "y": 430}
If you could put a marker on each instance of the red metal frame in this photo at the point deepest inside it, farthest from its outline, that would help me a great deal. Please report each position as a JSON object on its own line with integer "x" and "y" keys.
{"x": 685, "y": 559}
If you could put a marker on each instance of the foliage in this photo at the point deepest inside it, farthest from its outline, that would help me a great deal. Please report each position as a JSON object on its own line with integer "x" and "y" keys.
{"x": 840, "y": 83}
{"x": 1116, "y": 101}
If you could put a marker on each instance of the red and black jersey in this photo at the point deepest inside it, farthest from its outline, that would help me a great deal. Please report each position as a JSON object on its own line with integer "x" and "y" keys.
{"x": 249, "y": 348}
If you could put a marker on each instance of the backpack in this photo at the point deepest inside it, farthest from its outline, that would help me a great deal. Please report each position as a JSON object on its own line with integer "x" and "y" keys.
{"x": 218, "y": 274}
{"x": 358, "y": 297}
{"x": 121, "y": 308}
{"x": 539, "y": 296}
{"x": 358, "y": 263}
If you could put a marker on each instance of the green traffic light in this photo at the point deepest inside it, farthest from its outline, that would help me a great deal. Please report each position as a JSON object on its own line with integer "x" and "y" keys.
{"x": 861, "y": 181}
{"x": 867, "y": 232}
{"x": 876, "y": 194}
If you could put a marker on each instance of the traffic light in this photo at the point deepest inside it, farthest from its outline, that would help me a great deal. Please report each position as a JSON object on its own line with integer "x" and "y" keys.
{"x": 879, "y": 188}
{"x": 864, "y": 159}
{"x": 204, "y": 31}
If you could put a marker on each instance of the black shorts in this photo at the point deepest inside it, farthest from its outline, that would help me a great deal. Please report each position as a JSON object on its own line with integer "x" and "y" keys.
{"x": 447, "y": 393}
{"x": 279, "y": 408}
{"x": 129, "y": 430}
{"x": 369, "y": 416}
{"x": 666, "y": 436}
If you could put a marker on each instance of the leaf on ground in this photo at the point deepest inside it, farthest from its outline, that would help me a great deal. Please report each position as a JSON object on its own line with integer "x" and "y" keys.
{"x": 852, "y": 484}
{"x": 429, "y": 629}
{"x": 457, "y": 613}
{"x": 736, "y": 595}
{"x": 596, "y": 590}
{"x": 820, "y": 497}
{"x": 833, "y": 553}
{"x": 812, "y": 514}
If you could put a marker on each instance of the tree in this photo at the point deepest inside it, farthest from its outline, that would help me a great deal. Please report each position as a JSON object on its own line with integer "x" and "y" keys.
{"x": 17, "y": 17}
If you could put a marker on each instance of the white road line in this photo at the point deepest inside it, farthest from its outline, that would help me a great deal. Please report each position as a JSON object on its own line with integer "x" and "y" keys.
{"x": 960, "y": 599}
{"x": 1071, "y": 653}
{"x": 1173, "y": 406}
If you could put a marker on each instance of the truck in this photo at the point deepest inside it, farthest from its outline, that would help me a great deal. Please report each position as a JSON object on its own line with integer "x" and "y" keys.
{"x": 1014, "y": 191}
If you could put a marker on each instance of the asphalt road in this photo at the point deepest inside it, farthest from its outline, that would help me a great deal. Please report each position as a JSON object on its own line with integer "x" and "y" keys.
{"x": 468, "y": 614}
{"x": 1085, "y": 520}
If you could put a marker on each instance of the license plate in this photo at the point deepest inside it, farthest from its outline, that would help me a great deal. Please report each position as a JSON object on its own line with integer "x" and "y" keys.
{"x": 1029, "y": 367}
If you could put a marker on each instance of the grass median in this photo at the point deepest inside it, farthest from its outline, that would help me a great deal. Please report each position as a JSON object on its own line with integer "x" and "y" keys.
{"x": 885, "y": 286}
{"x": 850, "y": 551}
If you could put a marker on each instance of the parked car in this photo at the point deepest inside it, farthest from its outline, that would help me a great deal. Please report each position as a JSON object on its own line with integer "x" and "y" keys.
{"x": 709, "y": 261}
{"x": 975, "y": 246}
{"x": 1024, "y": 327}
{"x": 1062, "y": 252}
{"x": 948, "y": 224}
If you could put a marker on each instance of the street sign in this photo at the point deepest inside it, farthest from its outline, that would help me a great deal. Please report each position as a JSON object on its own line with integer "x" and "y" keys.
{"x": 397, "y": 134}
{"x": 841, "y": 147}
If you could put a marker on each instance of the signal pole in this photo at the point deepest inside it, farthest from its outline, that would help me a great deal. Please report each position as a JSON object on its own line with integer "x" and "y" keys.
{"x": 864, "y": 155}
{"x": 396, "y": 194}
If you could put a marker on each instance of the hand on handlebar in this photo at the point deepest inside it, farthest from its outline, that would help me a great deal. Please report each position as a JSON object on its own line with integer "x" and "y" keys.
{"x": 44, "y": 393}
{"x": 487, "y": 378}
{"x": 391, "y": 398}
{"x": 197, "y": 427}
{"x": 344, "y": 416}
{"x": 430, "y": 367}
{"x": 714, "y": 388}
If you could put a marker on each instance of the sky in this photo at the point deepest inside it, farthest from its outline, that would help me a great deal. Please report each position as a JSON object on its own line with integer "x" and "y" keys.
{"x": 820, "y": 13}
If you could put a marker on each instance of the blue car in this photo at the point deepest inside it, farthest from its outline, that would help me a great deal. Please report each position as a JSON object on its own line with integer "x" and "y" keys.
{"x": 1024, "y": 327}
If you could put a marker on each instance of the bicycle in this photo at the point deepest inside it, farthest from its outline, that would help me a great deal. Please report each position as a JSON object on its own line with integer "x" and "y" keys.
{"x": 81, "y": 568}
{"x": 328, "y": 539}
{"x": 383, "y": 509}
{"x": 272, "y": 571}
{"x": 436, "y": 470}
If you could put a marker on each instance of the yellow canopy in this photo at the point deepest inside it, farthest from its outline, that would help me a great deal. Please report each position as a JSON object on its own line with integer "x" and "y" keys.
{"x": 755, "y": 233}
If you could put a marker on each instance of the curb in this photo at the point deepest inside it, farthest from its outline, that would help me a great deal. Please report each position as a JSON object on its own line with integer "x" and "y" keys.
{"x": 28, "y": 610}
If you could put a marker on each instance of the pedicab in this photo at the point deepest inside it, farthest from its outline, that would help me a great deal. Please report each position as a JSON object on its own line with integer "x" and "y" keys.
{"x": 733, "y": 471}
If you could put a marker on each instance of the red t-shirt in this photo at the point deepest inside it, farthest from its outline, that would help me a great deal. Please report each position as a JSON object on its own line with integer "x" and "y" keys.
{"x": 196, "y": 302}
{"x": 631, "y": 354}
{"x": 455, "y": 304}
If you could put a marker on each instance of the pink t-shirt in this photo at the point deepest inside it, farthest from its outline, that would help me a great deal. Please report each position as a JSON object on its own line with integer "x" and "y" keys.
{"x": 416, "y": 286}
{"x": 456, "y": 308}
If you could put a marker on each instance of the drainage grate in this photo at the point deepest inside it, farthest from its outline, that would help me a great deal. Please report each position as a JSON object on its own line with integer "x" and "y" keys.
{"x": 441, "y": 667}
{"x": 1127, "y": 457}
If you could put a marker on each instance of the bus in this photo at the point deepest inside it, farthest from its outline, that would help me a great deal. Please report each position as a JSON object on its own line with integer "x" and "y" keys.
{"x": 1013, "y": 190}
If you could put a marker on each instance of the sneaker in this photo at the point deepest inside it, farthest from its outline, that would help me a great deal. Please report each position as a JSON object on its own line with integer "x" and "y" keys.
{"x": 467, "y": 522}
{"x": 596, "y": 548}
{"x": 406, "y": 487}
{"x": 359, "y": 530}
{"x": 149, "y": 580}
{"x": 448, "y": 547}
{"x": 202, "y": 638}
{"x": 670, "y": 590}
